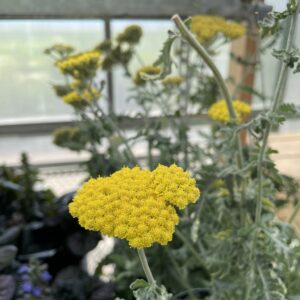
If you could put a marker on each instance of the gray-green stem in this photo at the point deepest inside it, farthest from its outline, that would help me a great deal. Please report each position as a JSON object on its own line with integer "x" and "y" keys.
{"x": 294, "y": 213}
{"x": 119, "y": 133}
{"x": 190, "y": 38}
{"x": 277, "y": 95}
{"x": 146, "y": 267}
{"x": 189, "y": 246}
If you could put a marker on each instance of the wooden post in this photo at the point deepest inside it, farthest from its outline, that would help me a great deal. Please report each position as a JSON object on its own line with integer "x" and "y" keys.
{"x": 242, "y": 74}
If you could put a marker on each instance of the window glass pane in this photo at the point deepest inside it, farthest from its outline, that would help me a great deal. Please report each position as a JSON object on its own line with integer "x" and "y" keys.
{"x": 155, "y": 33}
{"x": 27, "y": 73}
{"x": 266, "y": 81}
{"x": 39, "y": 148}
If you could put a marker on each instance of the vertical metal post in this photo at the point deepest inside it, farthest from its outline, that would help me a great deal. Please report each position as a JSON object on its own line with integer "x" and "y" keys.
{"x": 109, "y": 74}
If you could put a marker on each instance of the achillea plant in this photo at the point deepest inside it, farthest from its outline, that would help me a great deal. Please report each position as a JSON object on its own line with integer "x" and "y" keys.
{"x": 229, "y": 242}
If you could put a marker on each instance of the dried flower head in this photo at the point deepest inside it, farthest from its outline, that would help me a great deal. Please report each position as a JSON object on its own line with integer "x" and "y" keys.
{"x": 172, "y": 81}
{"x": 69, "y": 137}
{"x": 132, "y": 35}
{"x": 62, "y": 50}
{"x": 147, "y": 70}
{"x": 104, "y": 45}
{"x": 134, "y": 204}
{"x": 219, "y": 111}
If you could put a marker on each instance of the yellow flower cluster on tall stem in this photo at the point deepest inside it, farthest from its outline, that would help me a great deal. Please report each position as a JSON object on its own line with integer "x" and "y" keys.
{"x": 134, "y": 204}
{"x": 219, "y": 111}
{"x": 146, "y": 70}
{"x": 84, "y": 97}
{"x": 80, "y": 64}
{"x": 207, "y": 27}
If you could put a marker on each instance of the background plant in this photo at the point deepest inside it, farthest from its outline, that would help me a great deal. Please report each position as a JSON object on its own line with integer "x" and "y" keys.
{"x": 231, "y": 242}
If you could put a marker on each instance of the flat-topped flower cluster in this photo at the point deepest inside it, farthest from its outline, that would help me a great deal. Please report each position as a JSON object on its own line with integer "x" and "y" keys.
{"x": 81, "y": 64}
{"x": 134, "y": 204}
{"x": 219, "y": 111}
{"x": 207, "y": 27}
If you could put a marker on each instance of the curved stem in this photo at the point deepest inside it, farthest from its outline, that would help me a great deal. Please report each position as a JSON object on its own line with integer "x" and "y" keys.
{"x": 146, "y": 267}
{"x": 190, "y": 38}
{"x": 189, "y": 246}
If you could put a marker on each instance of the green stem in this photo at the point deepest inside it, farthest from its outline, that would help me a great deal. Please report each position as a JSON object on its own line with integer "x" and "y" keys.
{"x": 277, "y": 95}
{"x": 180, "y": 277}
{"x": 146, "y": 267}
{"x": 119, "y": 133}
{"x": 190, "y": 38}
{"x": 276, "y": 102}
{"x": 189, "y": 246}
{"x": 294, "y": 213}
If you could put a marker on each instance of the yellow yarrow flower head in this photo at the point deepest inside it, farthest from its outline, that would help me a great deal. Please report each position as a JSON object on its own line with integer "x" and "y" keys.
{"x": 219, "y": 112}
{"x": 73, "y": 98}
{"x": 80, "y": 65}
{"x": 134, "y": 204}
{"x": 207, "y": 27}
{"x": 172, "y": 81}
{"x": 81, "y": 98}
{"x": 234, "y": 30}
{"x": 132, "y": 34}
{"x": 147, "y": 70}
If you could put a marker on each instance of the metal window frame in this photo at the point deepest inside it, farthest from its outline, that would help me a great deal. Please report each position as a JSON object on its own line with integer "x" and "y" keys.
{"x": 107, "y": 10}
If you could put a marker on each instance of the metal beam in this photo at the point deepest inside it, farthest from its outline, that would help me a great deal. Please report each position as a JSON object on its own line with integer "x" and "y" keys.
{"x": 94, "y": 9}
{"x": 37, "y": 128}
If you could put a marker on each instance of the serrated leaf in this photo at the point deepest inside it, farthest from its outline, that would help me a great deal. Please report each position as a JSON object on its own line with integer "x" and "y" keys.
{"x": 289, "y": 57}
{"x": 287, "y": 108}
{"x": 152, "y": 292}
{"x": 138, "y": 284}
{"x": 165, "y": 60}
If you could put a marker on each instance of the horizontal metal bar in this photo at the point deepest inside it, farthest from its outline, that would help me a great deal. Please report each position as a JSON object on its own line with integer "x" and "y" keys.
{"x": 95, "y": 9}
{"x": 46, "y": 127}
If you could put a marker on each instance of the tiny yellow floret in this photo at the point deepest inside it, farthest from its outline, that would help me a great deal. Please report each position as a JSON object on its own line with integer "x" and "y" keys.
{"x": 135, "y": 204}
{"x": 219, "y": 112}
